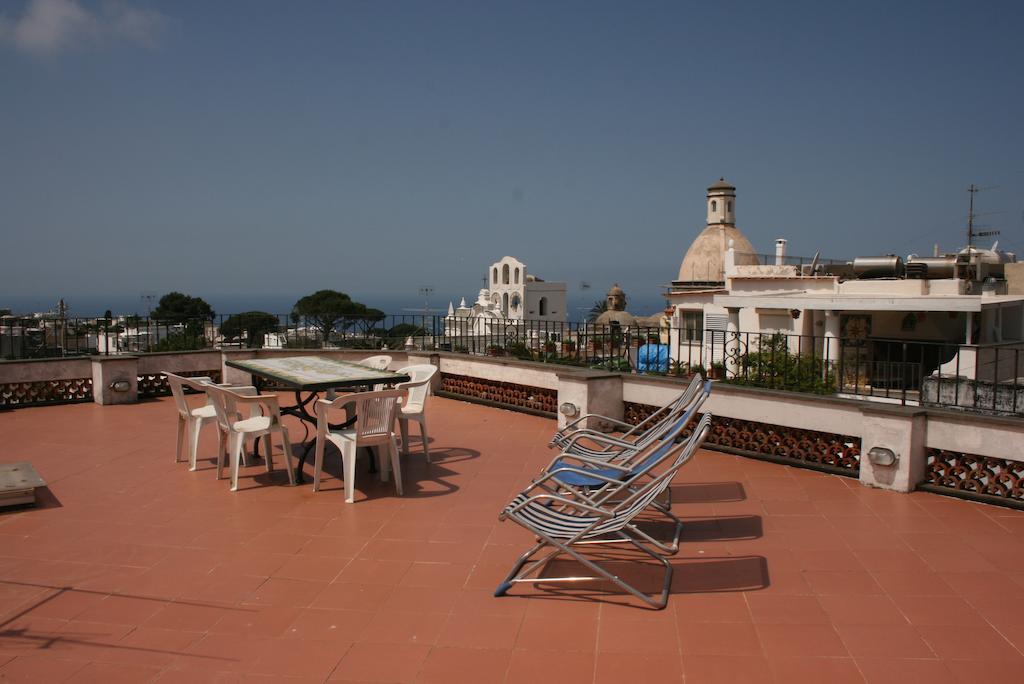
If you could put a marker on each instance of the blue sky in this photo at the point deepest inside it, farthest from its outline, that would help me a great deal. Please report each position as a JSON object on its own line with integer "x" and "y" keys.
{"x": 274, "y": 148}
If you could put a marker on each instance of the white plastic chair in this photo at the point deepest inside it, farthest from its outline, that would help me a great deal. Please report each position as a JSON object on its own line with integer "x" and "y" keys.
{"x": 414, "y": 403}
{"x": 226, "y": 402}
{"x": 374, "y": 427}
{"x": 191, "y": 420}
{"x": 379, "y": 362}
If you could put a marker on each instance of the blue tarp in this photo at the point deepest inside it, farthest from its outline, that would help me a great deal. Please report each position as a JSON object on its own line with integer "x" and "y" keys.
{"x": 652, "y": 357}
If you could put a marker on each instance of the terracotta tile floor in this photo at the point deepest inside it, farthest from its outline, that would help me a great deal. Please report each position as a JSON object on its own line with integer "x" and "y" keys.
{"x": 137, "y": 570}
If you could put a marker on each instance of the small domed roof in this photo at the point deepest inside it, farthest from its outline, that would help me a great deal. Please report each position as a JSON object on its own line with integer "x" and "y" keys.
{"x": 612, "y": 316}
{"x": 720, "y": 184}
{"x": 616, "y": 290}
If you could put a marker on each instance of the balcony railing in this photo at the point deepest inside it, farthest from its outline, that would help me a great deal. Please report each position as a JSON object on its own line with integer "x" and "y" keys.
{"x": 983, "y": 378}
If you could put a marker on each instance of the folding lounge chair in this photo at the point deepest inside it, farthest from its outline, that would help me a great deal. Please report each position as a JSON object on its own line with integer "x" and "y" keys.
{"x": 588, "y": 477}
{"x": 686, "y": 405}
{"x": 588, "y": 442}
{"x": 565, "y": 521}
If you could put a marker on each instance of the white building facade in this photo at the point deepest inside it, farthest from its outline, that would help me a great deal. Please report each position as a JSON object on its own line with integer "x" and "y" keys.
{"x": 949, "y": 315}
{"x": 519, "y": 295}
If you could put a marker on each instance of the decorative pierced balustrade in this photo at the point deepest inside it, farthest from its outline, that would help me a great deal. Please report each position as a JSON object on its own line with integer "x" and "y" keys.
{"x": 839, "y": 454}
{"x": 40, "y": 392}
{"x": 155, "y": 384}
{"x": 993, "y": 480}
{"x": 506, "y": 394}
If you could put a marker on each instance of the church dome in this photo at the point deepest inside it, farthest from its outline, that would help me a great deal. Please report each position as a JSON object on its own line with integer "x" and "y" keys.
{"x": 705, "y": 259}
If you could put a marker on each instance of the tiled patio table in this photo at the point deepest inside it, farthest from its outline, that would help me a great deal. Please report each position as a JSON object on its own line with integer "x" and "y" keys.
{"x": 311, "y": 375}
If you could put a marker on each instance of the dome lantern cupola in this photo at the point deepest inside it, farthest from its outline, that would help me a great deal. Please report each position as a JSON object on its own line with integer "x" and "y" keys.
{"x": 721, "y": 203}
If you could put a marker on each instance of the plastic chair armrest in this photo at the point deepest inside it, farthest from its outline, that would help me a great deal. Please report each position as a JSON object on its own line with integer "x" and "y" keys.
{"x": 268, "y": 400}
{"x": 323, "y": 406}
{"x": 244, "y": 390}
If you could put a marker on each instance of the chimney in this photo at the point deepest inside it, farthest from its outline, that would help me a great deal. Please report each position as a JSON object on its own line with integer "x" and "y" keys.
{"x": 780, "y": 251}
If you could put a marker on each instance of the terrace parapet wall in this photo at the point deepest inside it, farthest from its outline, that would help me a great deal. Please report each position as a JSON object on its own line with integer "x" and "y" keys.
{"x": 943, "y": 450}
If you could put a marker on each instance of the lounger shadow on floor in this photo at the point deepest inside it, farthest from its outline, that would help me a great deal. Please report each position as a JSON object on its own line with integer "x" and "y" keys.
{"x": 707, "y": 492}
{"x": 717, "y": 574}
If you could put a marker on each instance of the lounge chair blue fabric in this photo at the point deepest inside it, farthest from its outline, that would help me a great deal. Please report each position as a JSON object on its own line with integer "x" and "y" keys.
{"x": 568, "y": 519}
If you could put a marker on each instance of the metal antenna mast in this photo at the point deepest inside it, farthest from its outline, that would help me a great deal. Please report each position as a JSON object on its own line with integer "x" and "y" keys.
{"x": 425, "y": 292}
{"x": 973, "y": 190}
{"x": 148, "y": 296}
{"x": 970, "y": 217}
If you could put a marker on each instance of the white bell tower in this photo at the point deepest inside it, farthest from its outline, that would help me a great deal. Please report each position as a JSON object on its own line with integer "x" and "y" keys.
{"x": 721, "y": 203}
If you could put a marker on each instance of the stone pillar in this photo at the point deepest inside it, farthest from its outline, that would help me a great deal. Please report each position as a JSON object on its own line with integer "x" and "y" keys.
{"x": 115, "y": 379}
{"x": 236, "y": 376}
{"x": 732, "y": 342}
{"x": 901, "y": 430}
{"x": 590, "y": 392}
{"x": 435, "y": 382}
{"x": 831, "y": 350}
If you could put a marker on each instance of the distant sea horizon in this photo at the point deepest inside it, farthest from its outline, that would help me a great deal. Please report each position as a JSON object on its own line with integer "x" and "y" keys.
{"x": 90, "y": 306}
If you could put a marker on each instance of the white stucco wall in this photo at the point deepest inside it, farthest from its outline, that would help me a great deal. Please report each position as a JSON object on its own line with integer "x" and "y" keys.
{"x": 555, "y": 294}
{"x": 998, "y": 438}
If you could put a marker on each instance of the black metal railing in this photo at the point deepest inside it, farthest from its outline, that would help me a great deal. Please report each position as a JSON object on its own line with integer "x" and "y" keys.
{"x": 972, "y": 377}
{"x": 787, "y": 259}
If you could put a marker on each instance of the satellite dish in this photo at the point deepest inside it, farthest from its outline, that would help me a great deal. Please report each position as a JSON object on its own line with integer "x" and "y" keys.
{"x": 814, "y": 262}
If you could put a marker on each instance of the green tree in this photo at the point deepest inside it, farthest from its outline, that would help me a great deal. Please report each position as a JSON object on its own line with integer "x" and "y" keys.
{"x": 252, "y": 325}
{"x": 180, "y": 341}
{"x": 396, "y": 336}
{"x": 324, "y": 309}
{"x": 366, "y": 320}
{"x": 175, "y": 307}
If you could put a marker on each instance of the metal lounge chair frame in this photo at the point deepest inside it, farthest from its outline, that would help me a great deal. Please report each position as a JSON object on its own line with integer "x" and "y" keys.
{"x": 588, "y": 476}
{"x": 568, "y": 519}
{"x": 577, "y": 440}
